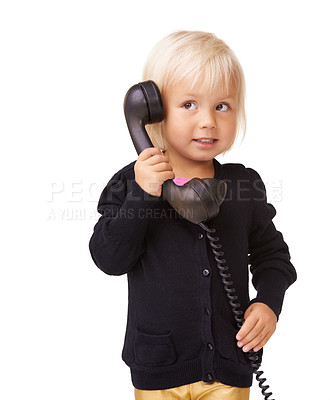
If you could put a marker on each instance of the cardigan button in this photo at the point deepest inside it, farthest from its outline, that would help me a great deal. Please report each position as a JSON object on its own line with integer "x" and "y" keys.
{"x": 206, "y": 272}
{"x": 210, "y": 346}
{"x": 209, "y": 377}
{"x": 207, "y": 312}
{"x": 200, "y": 236}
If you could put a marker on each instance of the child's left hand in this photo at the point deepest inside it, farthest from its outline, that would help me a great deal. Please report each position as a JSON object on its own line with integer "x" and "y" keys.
{"x": 259, "y": 325}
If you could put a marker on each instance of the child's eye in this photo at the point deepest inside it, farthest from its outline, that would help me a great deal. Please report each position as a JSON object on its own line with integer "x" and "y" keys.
{"x": 189, "y": 106}
{"x": 222, "y": 107}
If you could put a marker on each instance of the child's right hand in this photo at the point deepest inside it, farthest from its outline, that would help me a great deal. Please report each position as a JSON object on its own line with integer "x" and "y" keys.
{"x": 152, "y": 169}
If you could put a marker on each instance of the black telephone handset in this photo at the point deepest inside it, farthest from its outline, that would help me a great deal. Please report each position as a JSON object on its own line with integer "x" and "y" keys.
{"x": 198, "y": 200}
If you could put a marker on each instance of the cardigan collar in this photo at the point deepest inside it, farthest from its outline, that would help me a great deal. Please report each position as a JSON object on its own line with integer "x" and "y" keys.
{"x": 217, "y": 169}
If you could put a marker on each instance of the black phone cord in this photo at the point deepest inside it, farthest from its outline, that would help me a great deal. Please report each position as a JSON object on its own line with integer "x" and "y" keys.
{"x": 235, "y": 305}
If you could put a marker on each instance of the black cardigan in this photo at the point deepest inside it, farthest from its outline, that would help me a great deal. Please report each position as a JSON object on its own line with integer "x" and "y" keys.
{"x": 180, "y": 328}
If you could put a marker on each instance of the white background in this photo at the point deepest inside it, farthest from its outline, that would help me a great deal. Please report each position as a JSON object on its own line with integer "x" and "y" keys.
{"x": 65, "y": 68}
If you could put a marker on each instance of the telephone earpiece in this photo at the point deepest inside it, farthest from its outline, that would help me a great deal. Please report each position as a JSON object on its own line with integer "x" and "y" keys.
{"x": 142, "y": 105}
{"x": 198, "y": 199}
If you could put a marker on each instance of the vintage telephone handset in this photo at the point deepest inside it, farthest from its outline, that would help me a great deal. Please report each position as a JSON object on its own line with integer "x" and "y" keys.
{"x": 198, "y": 200}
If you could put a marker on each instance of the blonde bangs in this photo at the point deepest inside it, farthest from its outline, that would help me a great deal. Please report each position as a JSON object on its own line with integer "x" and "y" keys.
{"x": 210, "y": 77}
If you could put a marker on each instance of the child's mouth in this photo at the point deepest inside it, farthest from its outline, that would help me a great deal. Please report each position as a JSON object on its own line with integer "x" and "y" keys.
{"x": 206, "y": 142}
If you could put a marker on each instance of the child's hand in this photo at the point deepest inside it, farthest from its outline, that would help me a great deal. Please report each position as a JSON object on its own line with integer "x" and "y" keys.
{"x": 152, "y": 169}
{"x": 258, "y": 327}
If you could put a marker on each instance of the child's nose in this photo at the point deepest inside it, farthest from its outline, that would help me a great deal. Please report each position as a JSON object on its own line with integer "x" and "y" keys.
{"x": 207, "y": 120}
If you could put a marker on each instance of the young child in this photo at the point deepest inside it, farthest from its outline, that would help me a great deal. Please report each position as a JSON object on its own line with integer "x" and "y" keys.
{"x": 181, "y": 339}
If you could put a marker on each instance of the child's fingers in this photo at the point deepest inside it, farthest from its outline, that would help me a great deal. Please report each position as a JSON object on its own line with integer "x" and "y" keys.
{"x": 248, "y": 325}
{"x": 149, "y": 152}
{"x": 163, "y": 166}
{"x": 263, "y": 342}
{"x": 259, "y": 341}
{"x": 167, "y": 175}
{"x": 254, "y": 333}
{"x": 254, "y": 340}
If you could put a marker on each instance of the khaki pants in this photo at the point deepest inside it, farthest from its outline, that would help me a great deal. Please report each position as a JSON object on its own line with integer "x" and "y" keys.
{"x": 196, "y": 391}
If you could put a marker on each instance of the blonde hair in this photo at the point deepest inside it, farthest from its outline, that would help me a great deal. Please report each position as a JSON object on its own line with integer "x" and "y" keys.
{"x": 201, "y": 59}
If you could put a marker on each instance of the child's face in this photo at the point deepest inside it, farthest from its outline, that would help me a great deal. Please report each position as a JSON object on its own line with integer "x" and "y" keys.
{"x": 194, "y": 114}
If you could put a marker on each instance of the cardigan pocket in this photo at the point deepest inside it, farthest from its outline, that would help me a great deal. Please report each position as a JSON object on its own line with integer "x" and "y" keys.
{"x": 154, "y": 350}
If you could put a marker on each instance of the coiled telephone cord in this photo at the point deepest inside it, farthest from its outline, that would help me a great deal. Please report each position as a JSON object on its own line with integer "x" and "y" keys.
{"x": 235, "y": 305}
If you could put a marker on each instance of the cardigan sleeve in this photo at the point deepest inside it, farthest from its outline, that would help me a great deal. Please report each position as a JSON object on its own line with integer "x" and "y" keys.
{"x": 269, "y": 257}
{"x": 117, "y": 242}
